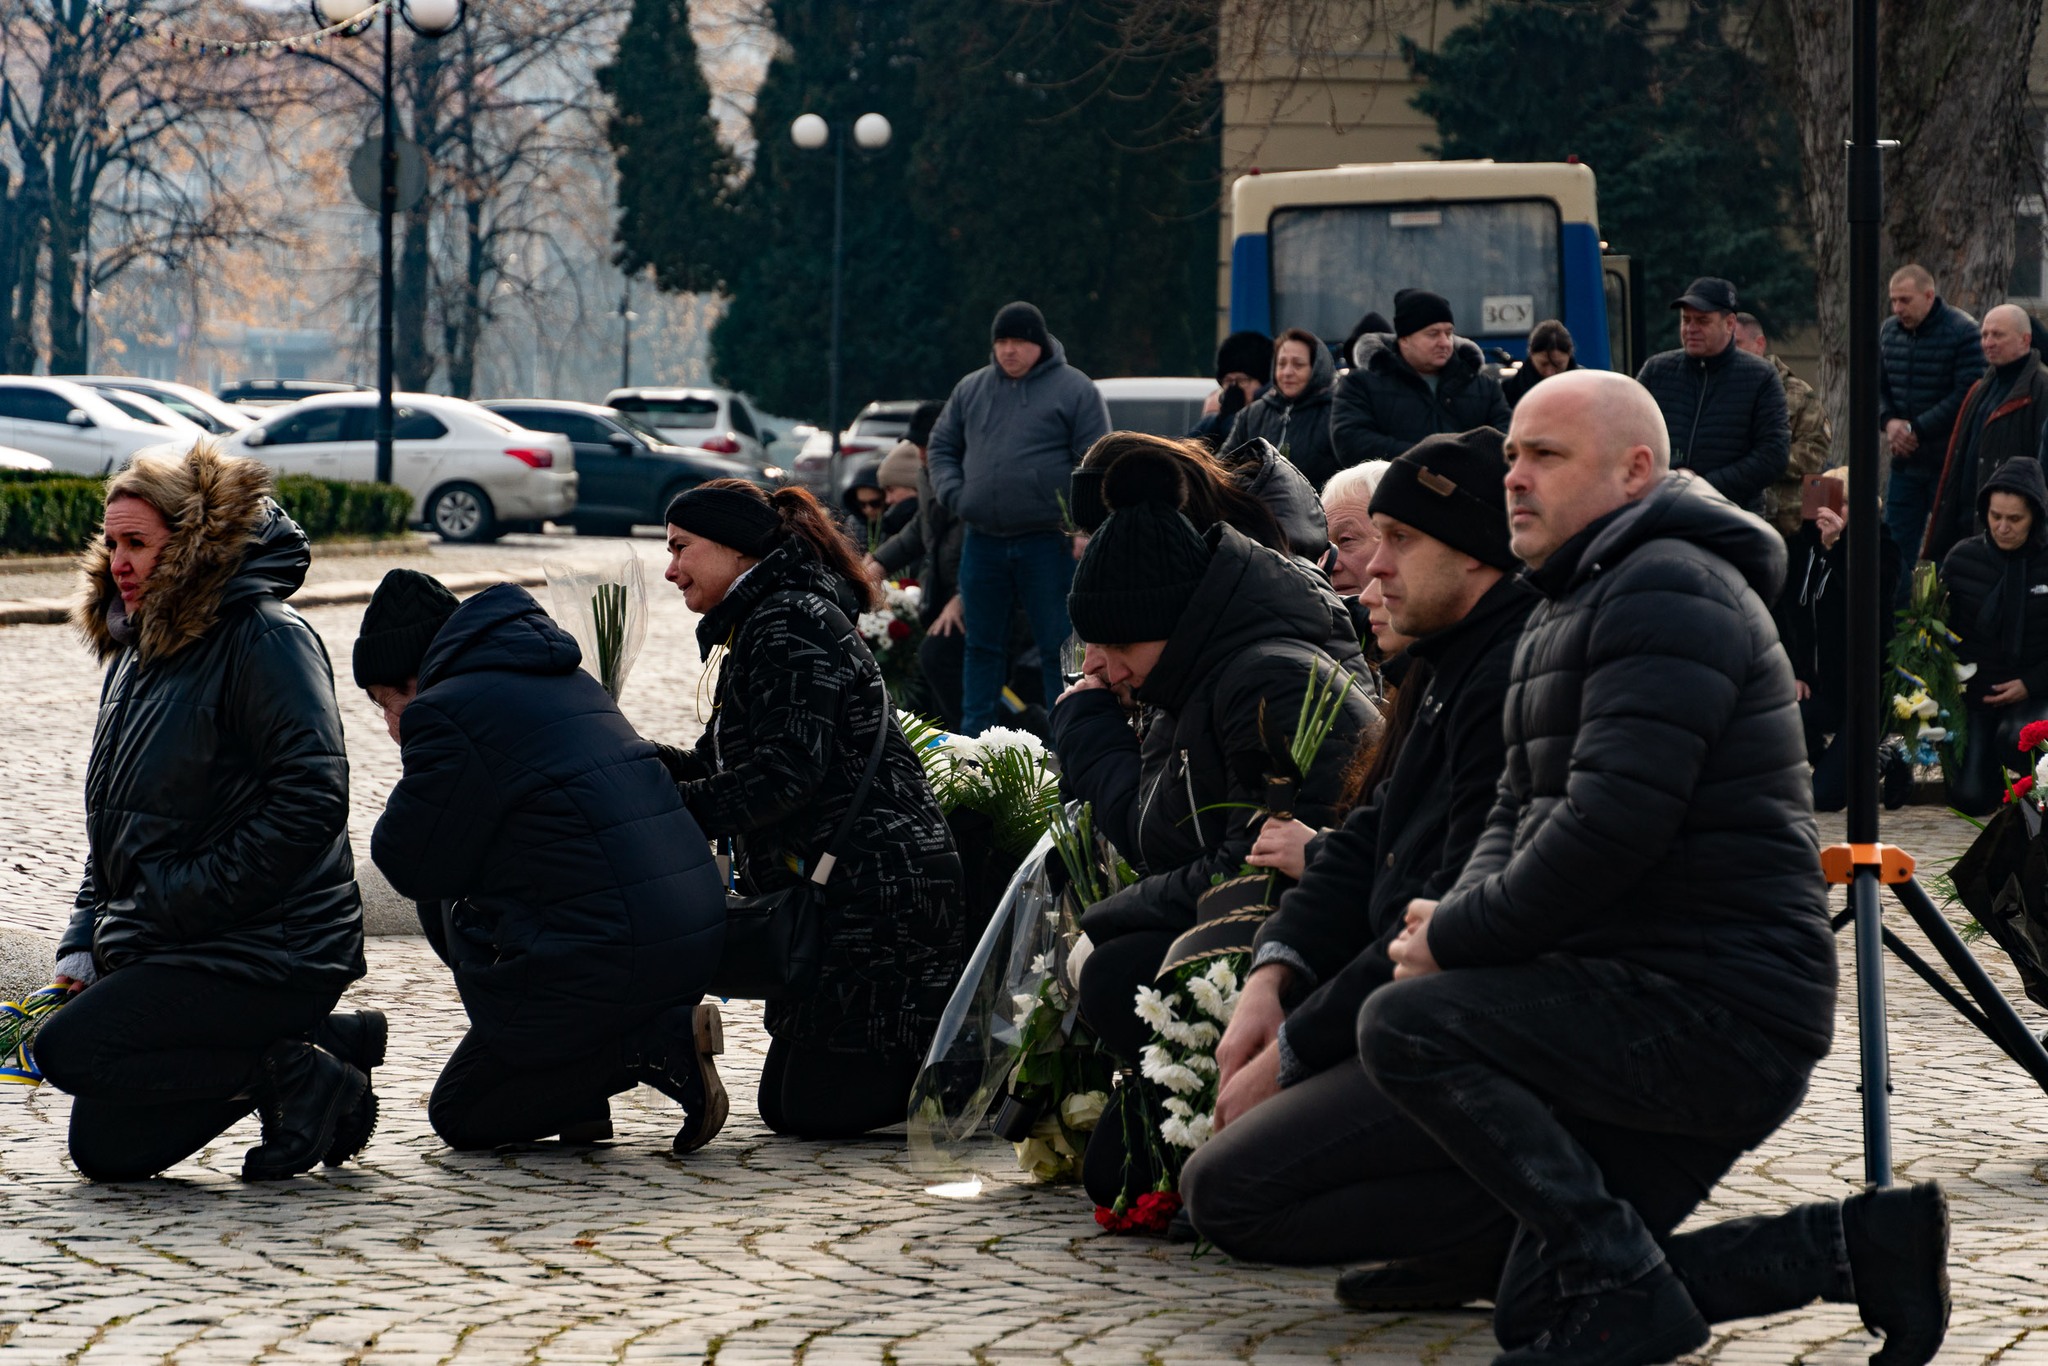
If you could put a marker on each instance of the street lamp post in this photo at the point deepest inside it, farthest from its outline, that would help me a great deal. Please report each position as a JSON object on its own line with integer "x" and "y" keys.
{"x": 811, "y": 132}
{"x": 429, "y": 19}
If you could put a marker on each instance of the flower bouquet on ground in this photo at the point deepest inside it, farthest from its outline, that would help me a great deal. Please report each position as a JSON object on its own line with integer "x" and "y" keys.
{"x": 998, "y": 793}
{"x": 892, "y": 632}
{"x": 19, "y": 1022}
{"x": 606, "y": 611}
{"x": 1927, "y": 711}
{"x": 2002, "y": 878}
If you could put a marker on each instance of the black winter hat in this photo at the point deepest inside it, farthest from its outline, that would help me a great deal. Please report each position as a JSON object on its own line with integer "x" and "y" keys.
{"x": 1450, "y": 487}
{"x": 1020, "y": 321}
{"x": 1415, "y": 309}
{"x": 405, "y": 614}
{"x": 922, "y": 421}
{"x": 1145, "y": 562}
{"x": 1245, "y": 353}
{"x": 730, "y": 517}
{"x": 1708, "y": 294}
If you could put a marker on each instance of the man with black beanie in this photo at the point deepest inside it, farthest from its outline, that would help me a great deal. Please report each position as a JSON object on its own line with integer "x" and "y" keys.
{"x": 1001, "y": 455}
{"x": 1291, "y": 1175}
{"x": 1244, "y": 360}
{"x": 1419, "y": 380}
{"x": 557, "y": 871}
{"x": 1216, "y": 638}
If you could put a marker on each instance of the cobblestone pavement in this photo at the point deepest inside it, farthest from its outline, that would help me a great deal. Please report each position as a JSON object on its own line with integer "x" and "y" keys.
{"x": 760, "y": 1249}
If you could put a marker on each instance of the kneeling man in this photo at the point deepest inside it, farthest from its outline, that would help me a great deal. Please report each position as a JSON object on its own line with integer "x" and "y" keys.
{"x": 557, "y": 871}
{"x": 1631, "y": 981}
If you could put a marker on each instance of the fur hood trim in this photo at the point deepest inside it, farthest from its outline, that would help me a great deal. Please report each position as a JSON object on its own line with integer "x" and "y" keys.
{"x": 218, "y": 506}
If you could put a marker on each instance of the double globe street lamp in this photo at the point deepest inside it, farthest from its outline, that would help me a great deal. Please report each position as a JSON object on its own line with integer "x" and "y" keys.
{"x": 429, "y": 19}
{"x": 811, "y": 132}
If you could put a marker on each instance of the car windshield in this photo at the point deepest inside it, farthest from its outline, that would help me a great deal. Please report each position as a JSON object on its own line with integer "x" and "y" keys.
{"x": 634, "y": 423}
{"x": 1174, "y": 417}
{"x": 1497, "y": 262}
{"x": 673, "y": 412}
{"x": 882, "y": 424}
{"x": 186, "y": 408}
{"x": 490, "y": 419}
{"x": 133, "y": 409}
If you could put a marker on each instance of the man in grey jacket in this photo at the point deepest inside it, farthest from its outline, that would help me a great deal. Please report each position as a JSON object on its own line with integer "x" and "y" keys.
{"x": 1001, "y": 458}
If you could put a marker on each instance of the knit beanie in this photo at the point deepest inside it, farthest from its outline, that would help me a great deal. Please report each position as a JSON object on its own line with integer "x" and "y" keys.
{"x": 1021, "y": 322}
{"x": 1415, "y": 309}
{"x": 922, "y": 421}
{"x": 1450, "y": 487}
{"x": 405, "y": 614}
{"x": 1145, "y": 562}
{"x": 899, "y": 467}
{"x": 730, "y": 517}
{"x": 1245, "y": 353}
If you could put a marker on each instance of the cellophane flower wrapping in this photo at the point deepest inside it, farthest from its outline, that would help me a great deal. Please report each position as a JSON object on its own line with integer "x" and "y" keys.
{"x": 605, "y": 609}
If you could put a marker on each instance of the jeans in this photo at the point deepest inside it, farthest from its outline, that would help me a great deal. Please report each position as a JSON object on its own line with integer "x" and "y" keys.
{"x": 995, "y": 573}
{"x": 161, "y": 1061}
{"x": 1992, "y": 746}
{"x": 486, "y": 1099}
{"x": 815, "y": 1094}
{"x": 1489, "y": 1061}
{"x": 1908, "y": 502}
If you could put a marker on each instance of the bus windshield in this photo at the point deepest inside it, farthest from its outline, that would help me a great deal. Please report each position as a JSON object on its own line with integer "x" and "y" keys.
{"x": 1497, "y": 261}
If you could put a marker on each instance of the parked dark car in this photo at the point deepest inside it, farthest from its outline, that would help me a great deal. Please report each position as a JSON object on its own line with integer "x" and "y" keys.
{"x": 627, "y": 473}
{"x": 275, "y": 393}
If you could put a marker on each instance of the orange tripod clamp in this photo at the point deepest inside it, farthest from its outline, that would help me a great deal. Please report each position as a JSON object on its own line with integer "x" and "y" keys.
{"x": 1839, "y": 862}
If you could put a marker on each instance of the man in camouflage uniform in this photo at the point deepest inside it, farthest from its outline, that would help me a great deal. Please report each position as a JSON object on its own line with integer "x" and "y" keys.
{"x": 1812, "y": 438}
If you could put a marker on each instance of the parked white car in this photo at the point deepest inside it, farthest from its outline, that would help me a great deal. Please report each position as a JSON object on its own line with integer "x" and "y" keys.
{"x": 472, "y": 474}
{"x": 12, "y": 459}
{"x": 1163, "y": 405}
{"x": 706, "y": 419}
{"x": 77, "y": 428}
{"x": 194, "y": 405}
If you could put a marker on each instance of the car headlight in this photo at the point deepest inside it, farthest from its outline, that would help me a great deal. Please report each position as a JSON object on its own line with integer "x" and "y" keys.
{"x": 773, "y": 472}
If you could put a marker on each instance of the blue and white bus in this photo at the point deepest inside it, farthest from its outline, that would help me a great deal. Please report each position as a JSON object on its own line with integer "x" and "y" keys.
{"x": 1508, "y": 243}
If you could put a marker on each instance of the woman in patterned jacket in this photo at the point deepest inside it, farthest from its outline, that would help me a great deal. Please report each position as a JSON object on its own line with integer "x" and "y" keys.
{"x": 792, "y": 726}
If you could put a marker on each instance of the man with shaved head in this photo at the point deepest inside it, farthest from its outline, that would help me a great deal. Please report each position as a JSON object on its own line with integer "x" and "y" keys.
{"x": 1931, "y": 358}
{"x": 2001, "y": 419}
{"x": 1632, "y": 979}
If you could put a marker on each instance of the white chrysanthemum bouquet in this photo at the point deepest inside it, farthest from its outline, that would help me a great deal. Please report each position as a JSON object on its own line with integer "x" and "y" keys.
{"x": 1187, "y": 1024}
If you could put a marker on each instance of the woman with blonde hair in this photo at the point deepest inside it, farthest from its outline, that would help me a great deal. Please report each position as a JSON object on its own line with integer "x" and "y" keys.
{"x": 218, "y": 921}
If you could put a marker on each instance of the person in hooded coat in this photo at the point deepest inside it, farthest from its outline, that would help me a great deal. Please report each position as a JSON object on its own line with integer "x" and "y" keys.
{"x": 557, "y": 872}
{"x": 793, "y": 723}
{"x": 1998, "y": 607}
{"x": 1294, "y": 411}
{"x": 1215, "y": 638}
{"x": 1416, "y": 381}
{"x": 217, "y": 921}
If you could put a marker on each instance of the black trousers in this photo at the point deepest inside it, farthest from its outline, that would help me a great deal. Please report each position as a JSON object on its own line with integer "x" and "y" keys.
{"x": 1598, "y": 1104}
{"x": 1110, "y": 978}
{"x": 485, "y": 1098}
{"x": 940, "y": 660}
{"x": 161, "y": 1061}
{"x": 815, "y": 1094}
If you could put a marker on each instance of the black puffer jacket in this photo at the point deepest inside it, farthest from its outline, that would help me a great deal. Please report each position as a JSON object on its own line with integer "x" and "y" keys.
{"x": 1998, "y": 599}
{"x": 216, "y": 797}
{"x": 1927, "y": 370}
{"x": 558, "y": 872}
{"x": 929, "y": 548}
{"x": 1656, "y": 806}
{"x": 793, "y": 724}
{"x": 1246, "y": 640}
{"x": 1259, "y": 469}
{"x": 1299, "y": 428}
{"x": 1410, "y": 839}
{"x": 1382, "y": 406}
{"x": 1727, "y": 418}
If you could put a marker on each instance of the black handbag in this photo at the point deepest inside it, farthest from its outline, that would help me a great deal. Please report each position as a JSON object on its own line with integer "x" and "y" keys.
{"x": 775, "y": 942}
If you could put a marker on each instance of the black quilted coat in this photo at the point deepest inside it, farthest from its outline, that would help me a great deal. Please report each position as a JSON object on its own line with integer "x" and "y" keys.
{"x": 1998, "y": 599}
{"x": 1299, "y": 427}
{"x": 1382, "y": 406}
{"x": 216, "y": 797}
{"x": 1656, "y": 806}
{"x": 793, "y": 724}
{"x": 1927, "y": 370}
{"x": 1727, "y": 418}
{"x": 559, "y": 875}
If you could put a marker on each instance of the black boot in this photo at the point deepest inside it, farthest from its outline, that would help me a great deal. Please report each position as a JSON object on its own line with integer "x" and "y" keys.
{"x": 1898, "y": 1259}
{"x": 301, "y": 1092}
{"x": 1449, "y": 1282}
{"x": 679, "y": 1064}
{"x": 1647, "y": 1321}
{"x": 358, "y": 1038}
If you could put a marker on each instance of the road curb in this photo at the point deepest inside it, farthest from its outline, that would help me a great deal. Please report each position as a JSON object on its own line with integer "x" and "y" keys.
{"x": 56, "y": 611}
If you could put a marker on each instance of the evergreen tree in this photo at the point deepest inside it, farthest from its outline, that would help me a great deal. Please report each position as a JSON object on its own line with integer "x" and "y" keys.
{"x": 1697, "y": 161}
{"x": 673, "y": 171}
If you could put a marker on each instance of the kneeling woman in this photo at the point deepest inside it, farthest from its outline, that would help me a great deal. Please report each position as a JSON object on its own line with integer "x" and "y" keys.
{"x": 793, "y": 725}
{"x": 218, "y": 920}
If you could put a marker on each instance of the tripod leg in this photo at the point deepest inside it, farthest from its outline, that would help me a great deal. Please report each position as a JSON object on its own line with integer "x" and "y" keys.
{"x": 1870, "y": 1027}
{"x": 2012, "y": 1033}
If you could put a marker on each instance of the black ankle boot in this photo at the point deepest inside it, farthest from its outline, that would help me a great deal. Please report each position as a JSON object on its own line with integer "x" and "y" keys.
{"x": 679, "y": 1064}
{"x": 1898, "y": 1260}
{"x": 301, "y": 1092}
{"x": 358, "y": 1038}
{"x": 1649, "y": 1320}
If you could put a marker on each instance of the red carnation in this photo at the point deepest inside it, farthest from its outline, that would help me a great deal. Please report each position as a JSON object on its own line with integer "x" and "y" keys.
{"x": 2019, "y": 789}
{"x": 1151, "y": 1213}
{"x": 2034, "y": 733}
{"x": 899, "y": 629}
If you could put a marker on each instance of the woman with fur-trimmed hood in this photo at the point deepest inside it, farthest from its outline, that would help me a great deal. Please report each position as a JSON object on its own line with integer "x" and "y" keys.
{"x": 218, "y": 920}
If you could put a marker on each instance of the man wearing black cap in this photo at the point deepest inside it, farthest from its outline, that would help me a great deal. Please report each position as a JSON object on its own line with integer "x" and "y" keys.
{"x": 1420, "y": 380}
{"x": 1723, "y": 407}
{"x": 1001, "y": 456}
{"x": 1290, "y": 1176}
{"x": 558, "y": 873}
